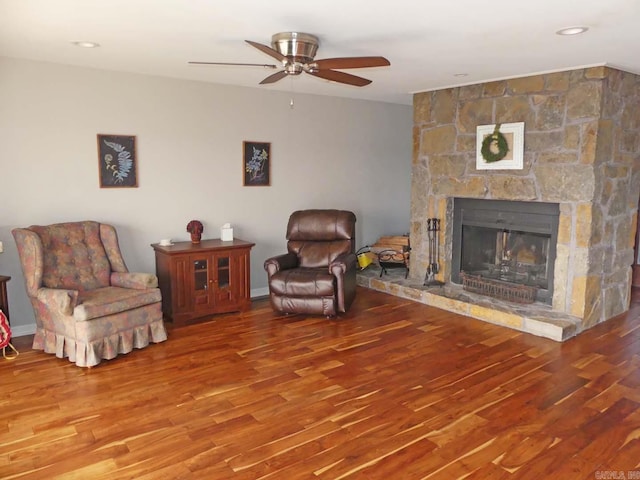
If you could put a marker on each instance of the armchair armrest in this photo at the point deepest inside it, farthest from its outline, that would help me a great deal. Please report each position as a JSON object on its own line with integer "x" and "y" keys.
{"x": 137, "y": 281}
{"x": 57, "y": 298}
{"x": 281, "y": 262}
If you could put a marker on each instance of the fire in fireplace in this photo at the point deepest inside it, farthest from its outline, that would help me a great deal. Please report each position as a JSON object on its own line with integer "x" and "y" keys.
{"x": 514, "y": 242}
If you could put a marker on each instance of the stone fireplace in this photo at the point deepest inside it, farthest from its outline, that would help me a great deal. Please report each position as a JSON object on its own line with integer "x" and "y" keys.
{"x": 581, "y": 153}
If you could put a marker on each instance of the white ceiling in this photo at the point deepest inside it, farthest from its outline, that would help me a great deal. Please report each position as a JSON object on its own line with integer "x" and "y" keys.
{"x": 427, "y": 42}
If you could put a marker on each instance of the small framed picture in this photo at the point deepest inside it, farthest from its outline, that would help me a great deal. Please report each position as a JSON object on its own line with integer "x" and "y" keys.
{"x": 501, "y": 149}
{"x": 256, "y": 163}
{"x": 117, "y": 162}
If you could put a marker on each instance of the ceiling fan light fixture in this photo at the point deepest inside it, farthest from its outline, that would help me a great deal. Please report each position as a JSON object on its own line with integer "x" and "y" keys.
{"x": 293, "y": 68}
{"x": 577, "y": 30}
{"x": 311, "y": 67}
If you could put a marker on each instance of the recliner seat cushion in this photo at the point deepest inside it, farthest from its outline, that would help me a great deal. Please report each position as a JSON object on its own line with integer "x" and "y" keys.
{"x": 311, "y": 305}
{"x": 303, "y": 282}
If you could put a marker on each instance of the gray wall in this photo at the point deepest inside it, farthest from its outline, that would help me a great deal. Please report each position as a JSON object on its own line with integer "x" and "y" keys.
{"x": 327, "y": 152}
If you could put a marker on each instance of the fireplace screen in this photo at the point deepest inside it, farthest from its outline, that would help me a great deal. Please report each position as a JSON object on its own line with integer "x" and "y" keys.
{"x": 509, "y": 241}
{"x": 508, "y": 255}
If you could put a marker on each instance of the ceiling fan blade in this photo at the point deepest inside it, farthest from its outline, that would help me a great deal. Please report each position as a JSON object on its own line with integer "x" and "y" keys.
{"x": 268, "y": 50}
{"x": 341, "y": 77}
{"x": 275, "y": 77}
{"x": 351, "y": 62}
{"x": 235, "y": 64}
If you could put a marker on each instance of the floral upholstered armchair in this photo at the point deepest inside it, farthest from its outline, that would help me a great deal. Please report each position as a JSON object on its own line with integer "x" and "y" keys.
{"x": 87, "y": 305}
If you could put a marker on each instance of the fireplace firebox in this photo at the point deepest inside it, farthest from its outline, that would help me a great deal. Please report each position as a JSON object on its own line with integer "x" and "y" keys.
{"x": 510, "y": 241}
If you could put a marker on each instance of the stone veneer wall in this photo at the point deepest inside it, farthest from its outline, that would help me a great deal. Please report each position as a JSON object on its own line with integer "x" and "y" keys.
{"x": 582, "y": 150}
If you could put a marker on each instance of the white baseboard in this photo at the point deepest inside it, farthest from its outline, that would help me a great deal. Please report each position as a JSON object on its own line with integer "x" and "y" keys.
{"x": 22, "y": 330}
{"x": 260, "y": 292}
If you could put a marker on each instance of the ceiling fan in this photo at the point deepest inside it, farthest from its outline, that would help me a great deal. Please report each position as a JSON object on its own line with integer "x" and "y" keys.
{"x": 296, "y": 52}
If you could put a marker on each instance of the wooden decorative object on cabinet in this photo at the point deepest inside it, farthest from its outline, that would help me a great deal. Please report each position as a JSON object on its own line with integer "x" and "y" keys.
{"x": 197, "y": 280}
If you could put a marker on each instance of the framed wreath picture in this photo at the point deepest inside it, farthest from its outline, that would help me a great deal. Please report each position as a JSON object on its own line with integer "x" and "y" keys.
{"x": 117, "y": 162}
{"x": 256, "y": 163}
{"x": 500, "y": 146}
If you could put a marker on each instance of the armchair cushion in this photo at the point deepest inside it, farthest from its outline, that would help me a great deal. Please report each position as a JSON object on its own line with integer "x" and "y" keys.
{"x": 101, "y": 302}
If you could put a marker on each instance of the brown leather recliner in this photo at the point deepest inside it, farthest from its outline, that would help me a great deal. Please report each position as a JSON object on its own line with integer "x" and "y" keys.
{"x": 318, "y": 274}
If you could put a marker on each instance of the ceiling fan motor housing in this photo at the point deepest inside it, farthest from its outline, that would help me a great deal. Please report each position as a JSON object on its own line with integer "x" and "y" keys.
{"x": 301, "y": 47}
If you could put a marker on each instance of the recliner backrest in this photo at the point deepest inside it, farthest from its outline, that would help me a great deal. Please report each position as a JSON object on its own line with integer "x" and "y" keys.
{"x": 317, "y": 237}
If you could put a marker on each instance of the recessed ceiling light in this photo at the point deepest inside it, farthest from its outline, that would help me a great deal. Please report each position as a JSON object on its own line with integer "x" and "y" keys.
{"x": 572, "y": 30}
{"x": 86, "y": 44}
{"x": 460, "y": 74}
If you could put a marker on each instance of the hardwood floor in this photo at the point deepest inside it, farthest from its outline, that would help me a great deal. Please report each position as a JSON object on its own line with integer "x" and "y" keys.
{"x": 394, "y": 389}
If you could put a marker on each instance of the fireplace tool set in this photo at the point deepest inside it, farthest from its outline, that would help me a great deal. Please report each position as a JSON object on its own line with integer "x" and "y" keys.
{"x": 433, "y": 230}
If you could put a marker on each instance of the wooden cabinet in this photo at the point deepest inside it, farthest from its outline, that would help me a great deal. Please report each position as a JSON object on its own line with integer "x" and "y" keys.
{"x": 197, "y": 280}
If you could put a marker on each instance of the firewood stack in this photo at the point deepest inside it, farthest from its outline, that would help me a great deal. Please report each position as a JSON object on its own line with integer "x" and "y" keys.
{"x": 398, "y": 243}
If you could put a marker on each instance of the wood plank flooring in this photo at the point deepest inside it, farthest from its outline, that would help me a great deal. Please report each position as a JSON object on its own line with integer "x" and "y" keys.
{"x": 393, "y": 390}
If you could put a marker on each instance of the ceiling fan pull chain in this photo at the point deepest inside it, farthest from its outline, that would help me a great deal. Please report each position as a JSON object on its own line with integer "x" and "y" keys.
{"x": 291, "y": 102}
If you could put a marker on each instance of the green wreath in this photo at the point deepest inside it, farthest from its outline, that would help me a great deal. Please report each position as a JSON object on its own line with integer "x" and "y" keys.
{"x": 500, "y": 141}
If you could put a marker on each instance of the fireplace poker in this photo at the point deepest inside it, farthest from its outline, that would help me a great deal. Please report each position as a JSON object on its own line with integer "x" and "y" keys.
{"x": 430, "y": 251}
{"x": 433, "y": 265}
{"x": 433, "y": 227}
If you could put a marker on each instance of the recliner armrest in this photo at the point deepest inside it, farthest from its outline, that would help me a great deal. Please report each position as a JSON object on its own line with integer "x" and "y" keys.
{"x": 343, "y": 263}
{"x": 137, "y": 281}
{"x": 64, "y": 300}
{"x": 281, "y": 262}
{"x": 344, "y": 269}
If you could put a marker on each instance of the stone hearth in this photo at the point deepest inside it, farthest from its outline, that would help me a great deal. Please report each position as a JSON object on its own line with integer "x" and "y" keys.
{"x": 538, "y": 319}
{"x": 581, "y": 151}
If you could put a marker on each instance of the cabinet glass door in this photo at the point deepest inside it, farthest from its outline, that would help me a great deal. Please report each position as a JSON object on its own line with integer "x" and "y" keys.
{"x": 223, "y": 272}
{"x": 200, "y": 274}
